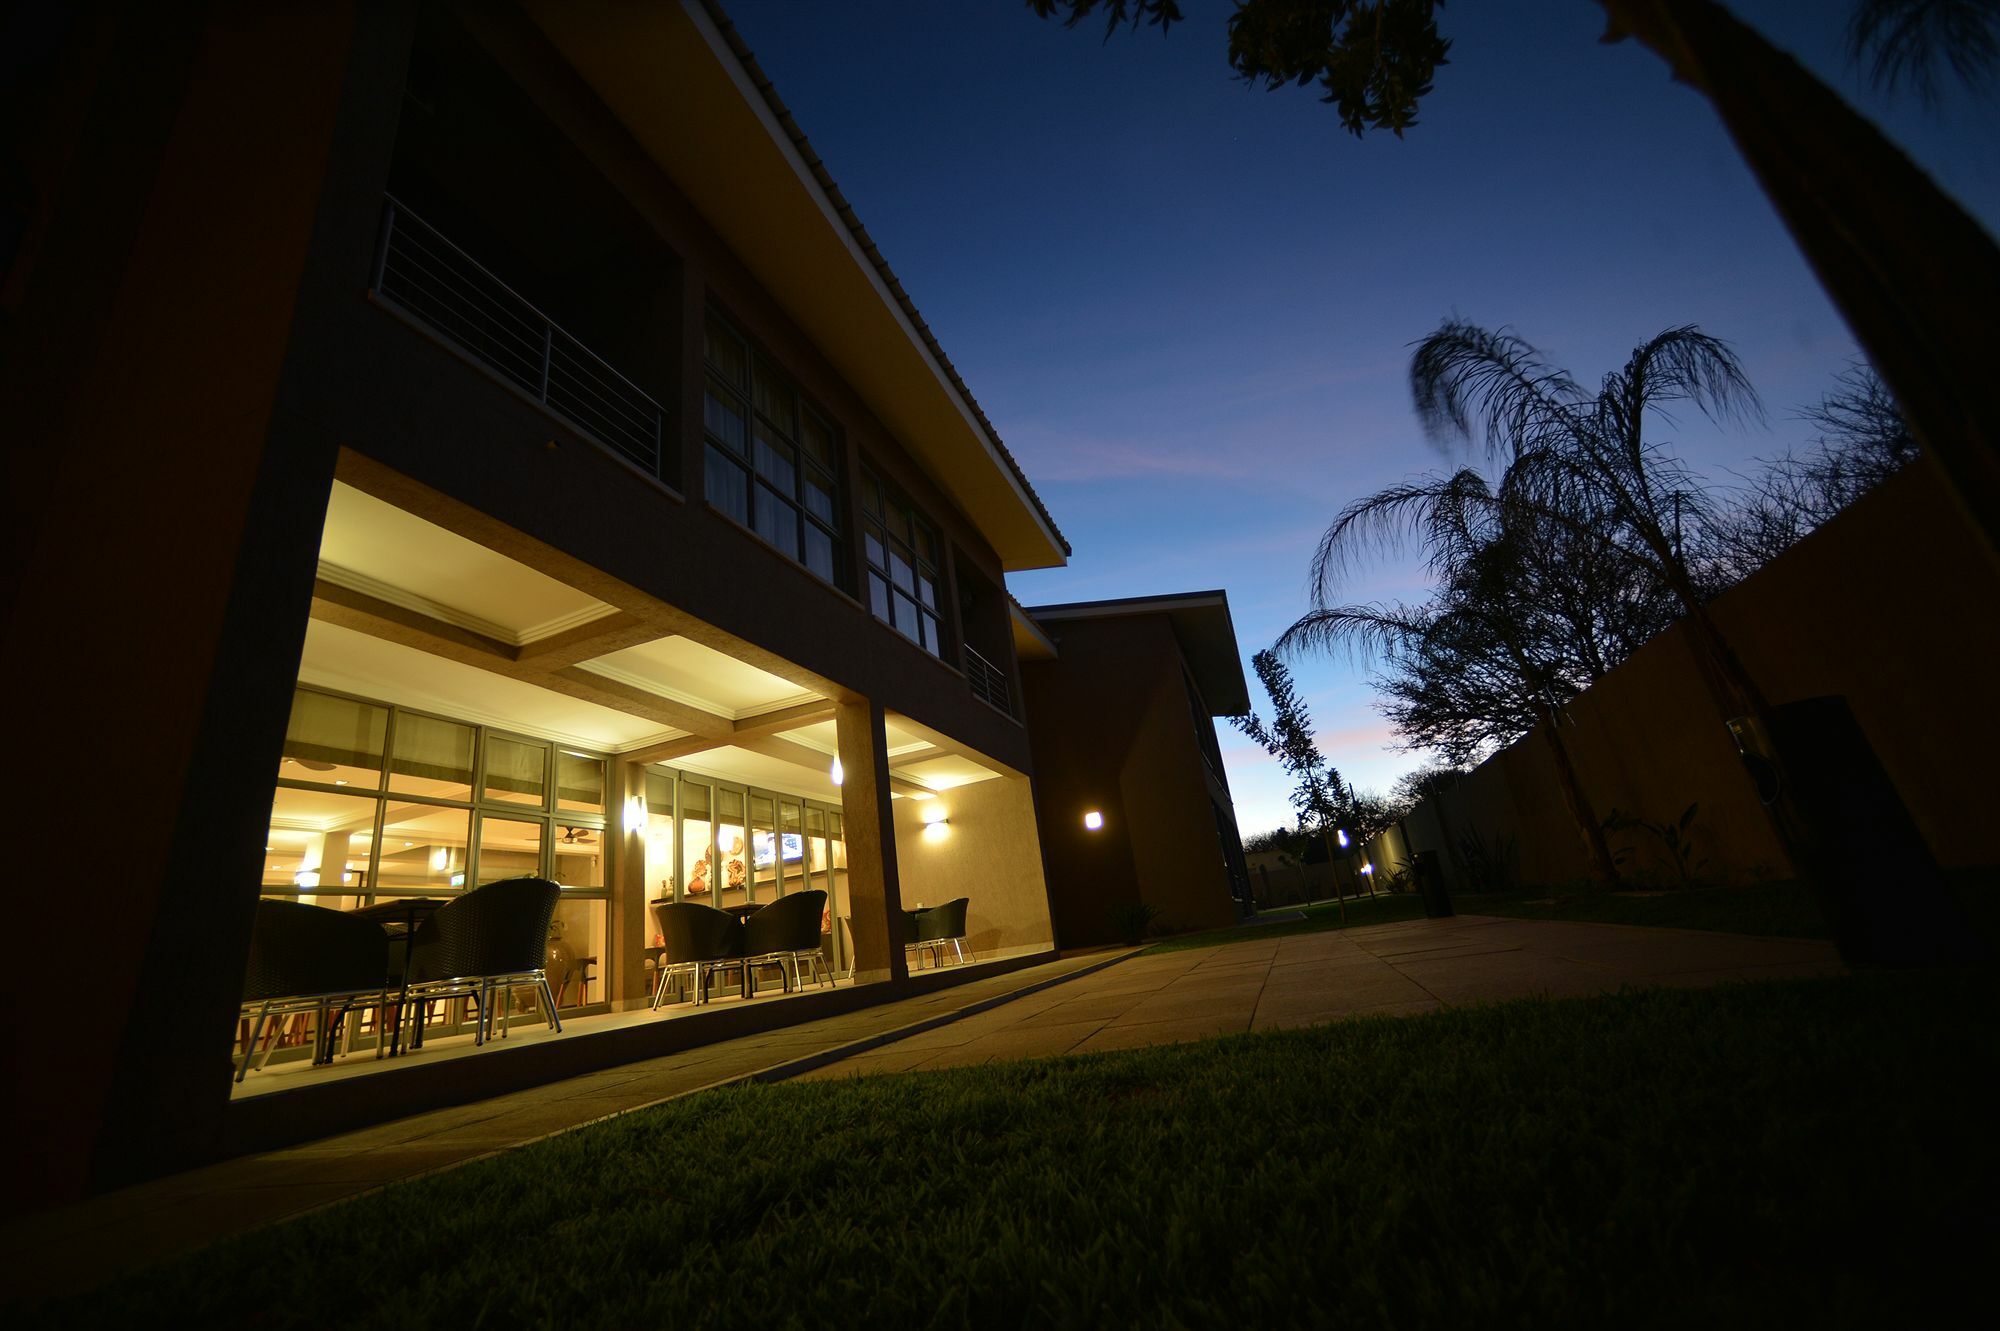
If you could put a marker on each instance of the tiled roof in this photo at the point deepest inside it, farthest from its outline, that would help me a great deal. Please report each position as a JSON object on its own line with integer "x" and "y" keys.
{"x": 845, "y": 211}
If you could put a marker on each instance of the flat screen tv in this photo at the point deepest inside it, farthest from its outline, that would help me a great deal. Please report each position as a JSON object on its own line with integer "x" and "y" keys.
{"x": 794, "y": 847}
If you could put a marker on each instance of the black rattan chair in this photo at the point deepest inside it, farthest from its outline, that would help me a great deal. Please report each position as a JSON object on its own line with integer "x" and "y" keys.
{"x": 697, "y": 941}
{"x": 487, "y": 943}
{"x": 305, "y": 959}
{"x": 785, "y": 933}
{"x": 943, "y": 926}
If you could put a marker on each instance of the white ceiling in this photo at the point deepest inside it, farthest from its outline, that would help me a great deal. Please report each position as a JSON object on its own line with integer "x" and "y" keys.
{"x": 686, "y": 671}
{"x": 352, "y": 662}
{"x": 377, "y": 548}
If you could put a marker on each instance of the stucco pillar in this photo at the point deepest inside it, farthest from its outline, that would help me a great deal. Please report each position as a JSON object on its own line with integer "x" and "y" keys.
{"x": 874, "y": 891}
{"x": 624, "y": 969}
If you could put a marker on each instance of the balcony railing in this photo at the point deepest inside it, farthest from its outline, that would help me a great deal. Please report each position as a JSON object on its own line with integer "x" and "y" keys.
{"x": 989, "y": 682}
{"x": 439, "y": 285}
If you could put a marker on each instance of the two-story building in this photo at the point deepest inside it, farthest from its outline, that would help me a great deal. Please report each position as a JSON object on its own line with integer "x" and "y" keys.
{"x": 452, "y": 442}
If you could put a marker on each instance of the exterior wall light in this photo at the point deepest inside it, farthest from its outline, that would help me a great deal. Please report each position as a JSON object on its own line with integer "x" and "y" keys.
{"x": 839, "y": 773}
{"x": 635, "y": 814}
{"x": 1093, "y": 821}
{"x": 1367, "y": 868}
{"x": 937, "y": 821}
{"x": 1342, "y": 834}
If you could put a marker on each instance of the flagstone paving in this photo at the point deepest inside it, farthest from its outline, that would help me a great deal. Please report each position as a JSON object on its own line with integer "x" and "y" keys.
{"x": 1304, "y": 980}
{"x": 1080, "y": 1004}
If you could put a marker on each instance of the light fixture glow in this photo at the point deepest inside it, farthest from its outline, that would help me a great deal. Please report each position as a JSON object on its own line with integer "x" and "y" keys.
{"x": 306, "y": 878}
{"x": 1342, "y": 834}
{"x": 1093, "y": 820}
{"x": 839, "y": 773}
{"x": 935, "y": 813}
{"x": 1367, "y": 868}
{"x": 439, "y": 858}
{"x": 635, "y": 813}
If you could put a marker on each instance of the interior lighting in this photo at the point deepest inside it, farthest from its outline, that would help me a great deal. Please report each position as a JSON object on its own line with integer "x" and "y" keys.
{"x": 306, "y": 878}
{"x": 439, "y": 858}
{"x": 937, "y": 821}
{"x": 1093, "y": 821}
{"x": 838, "y": 773}
{"x": 1342, "y": 834}
{"x": 635, "y": 813}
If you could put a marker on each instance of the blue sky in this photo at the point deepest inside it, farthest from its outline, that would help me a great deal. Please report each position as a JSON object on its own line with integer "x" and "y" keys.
{"x": 1188, "y": 305}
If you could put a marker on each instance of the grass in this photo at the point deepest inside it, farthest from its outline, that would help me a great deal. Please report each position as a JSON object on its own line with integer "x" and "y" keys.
{"x": 1278, "y": 922}
{"x": 1772, "y": 910}
{"x": 1796, "y": 1152}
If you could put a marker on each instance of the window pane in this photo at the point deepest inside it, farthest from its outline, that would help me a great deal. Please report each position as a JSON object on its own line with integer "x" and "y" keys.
{"x": 335, "y": 740}
{"x": 508, "y": 849}
{"x": 722, "y": 414}
{"x": 775, "y": 461}
{"x": 816, "y": 436}
{"x": 777, "y": 521}
{"x": 878, "y": 596}
{"x": 725, "y": 351}
{"x": 928, "y": 628}
{"x": 926, "y": 545}
{"x": 876, "y": 557}
{"x": 927, "y": 592}
{"x": 515, "y": 772}
{"x": 906, "y": 617}
{"x": 727, "y": 486}
{"x": 697, "y": 877}
{"x": 871, "y": 493}
{"x": 318, "y": 846}
{"x": 424, "y": 848}
{"x": 819, "y": 496}
{"x": 579, "y": 856}
{"x": 580, "y": 783}
{"x": 899, "y": 569}
{"x": 819, "y": 551}
{"x": 774, "y": 397}
{"x": 432, "y": 758}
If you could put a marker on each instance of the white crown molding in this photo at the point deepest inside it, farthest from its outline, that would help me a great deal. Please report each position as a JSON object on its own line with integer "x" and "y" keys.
{"x": 397, "y": 596}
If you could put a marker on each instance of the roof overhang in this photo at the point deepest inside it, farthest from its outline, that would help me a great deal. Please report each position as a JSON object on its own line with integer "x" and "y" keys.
{"x": 708, "y": 118}
{"x": 1201, "y": 624}
{"x": 1030, "y": 642}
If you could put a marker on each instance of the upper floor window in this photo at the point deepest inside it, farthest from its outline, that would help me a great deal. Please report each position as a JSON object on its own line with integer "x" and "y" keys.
{"x": 902, "y": 564}
{"x": 771, "y": 460}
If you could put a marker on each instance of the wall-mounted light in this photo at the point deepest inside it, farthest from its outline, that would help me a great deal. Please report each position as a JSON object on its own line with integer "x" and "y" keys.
{"x": 1367, "y": 867}
{"x": 837, "y": 773}
{"x": 635, "y": 814}
{"x": 937, "y": 821}
{"x": 439, "y": 858}
{"x": 1093, "y": 820}
{"x": 1342, "y": 834}
{"x": 306, "y": 878}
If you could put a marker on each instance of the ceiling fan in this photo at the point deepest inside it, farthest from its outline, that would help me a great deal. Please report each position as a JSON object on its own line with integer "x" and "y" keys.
{"x": 311, "y": 764}
{"x": 577, "y": 836}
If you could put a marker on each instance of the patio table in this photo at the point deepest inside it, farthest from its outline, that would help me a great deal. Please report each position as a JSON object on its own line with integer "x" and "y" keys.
{"x": 399, "y": 918}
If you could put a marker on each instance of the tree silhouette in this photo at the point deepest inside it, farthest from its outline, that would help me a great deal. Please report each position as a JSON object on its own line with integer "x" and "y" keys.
{"x": 1910, "y": 42}
{"x": 1505, "y": 641}
{"x": 1317, "y": 793}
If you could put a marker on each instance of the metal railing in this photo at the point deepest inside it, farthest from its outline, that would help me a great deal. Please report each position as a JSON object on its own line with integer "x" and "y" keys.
{"x": 988, "y": 681}
{"x": 439, "y": 285}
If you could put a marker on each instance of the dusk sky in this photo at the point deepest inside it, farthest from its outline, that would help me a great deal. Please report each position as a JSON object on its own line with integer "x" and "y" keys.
{"x": 1188, "y": 305}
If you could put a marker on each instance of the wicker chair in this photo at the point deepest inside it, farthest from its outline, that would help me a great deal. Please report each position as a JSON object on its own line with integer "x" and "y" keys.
{"x": 487, "y": 943}
{"x": 944, "y": 926}
{"x": 785, "y": 933}
{"x": 697, "y": 941}
{"x": 305, "y": 959}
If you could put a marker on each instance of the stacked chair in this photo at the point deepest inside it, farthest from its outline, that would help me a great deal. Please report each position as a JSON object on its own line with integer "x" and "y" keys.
{"x": 785, "y": 934}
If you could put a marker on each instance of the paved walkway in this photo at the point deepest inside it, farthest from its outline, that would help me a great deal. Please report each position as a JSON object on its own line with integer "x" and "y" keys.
{"x": 1075, "y": 1005}
{"x": 1306, "y": 979}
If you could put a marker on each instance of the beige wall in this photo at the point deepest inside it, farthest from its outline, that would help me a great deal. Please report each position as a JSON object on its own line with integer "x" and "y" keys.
{"x": 989, "y": 852}
{"x": 1892, "y": 605}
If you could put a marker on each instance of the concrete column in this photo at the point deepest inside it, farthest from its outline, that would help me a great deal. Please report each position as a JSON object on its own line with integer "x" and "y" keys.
{"x": 630, "y": 921}
{"x": 873, "y": 888}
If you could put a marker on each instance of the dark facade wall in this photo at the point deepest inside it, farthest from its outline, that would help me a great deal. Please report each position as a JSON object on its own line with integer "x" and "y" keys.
{"x": 1112, "y": 731}
{"x": 162, "y": 581}
{"x": 1893, "y": 604}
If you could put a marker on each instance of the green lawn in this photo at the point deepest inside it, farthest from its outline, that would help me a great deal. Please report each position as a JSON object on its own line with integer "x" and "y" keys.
{"x": 1789, "y": 1153}
{"x": 1774, "y": 910}
{"x": 1278, "y": 922}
